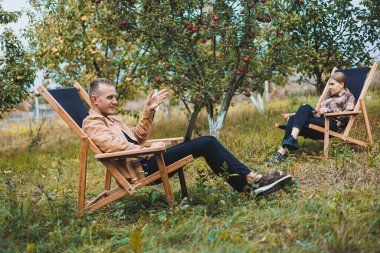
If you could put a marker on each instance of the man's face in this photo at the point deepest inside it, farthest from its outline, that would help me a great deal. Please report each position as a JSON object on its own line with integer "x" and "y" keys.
{"x": 104, "y": 100}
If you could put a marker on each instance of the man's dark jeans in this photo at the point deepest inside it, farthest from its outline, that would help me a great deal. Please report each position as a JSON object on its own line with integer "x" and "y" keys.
{"x": 215, "y": 154}
{"x": 303, "y": 117}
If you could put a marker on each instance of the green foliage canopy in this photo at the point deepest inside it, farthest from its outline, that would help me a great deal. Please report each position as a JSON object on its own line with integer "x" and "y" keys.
{"x": 208, "y": 51}
{"x": 16, "y": 67}
{"x": 328, "y": 34}
{"x": 81, "y": 40}
{"x": 205, "y": 51}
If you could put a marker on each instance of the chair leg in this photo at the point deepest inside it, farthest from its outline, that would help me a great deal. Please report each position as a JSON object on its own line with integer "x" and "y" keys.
{"x": 182, "y": 182}
{"x": 165, "y": 179}
{"x": 82, "y": 174}
{"x": 107, "y": 183}
{"x": 366, "y": 121}
{"x": 326, "y": 139}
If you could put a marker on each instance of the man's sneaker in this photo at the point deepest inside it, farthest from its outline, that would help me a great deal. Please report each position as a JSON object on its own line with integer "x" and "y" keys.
{"x": 290, "y": 143}
{"x": 271, "y": 183}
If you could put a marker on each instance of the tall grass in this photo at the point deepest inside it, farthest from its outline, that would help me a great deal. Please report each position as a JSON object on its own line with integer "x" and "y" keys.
{"x": 335, "y": 205}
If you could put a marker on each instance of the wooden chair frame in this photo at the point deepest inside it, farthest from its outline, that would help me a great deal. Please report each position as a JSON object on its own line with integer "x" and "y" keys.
{"x": 360, "y": 108}
{"x": 112, "y": 171}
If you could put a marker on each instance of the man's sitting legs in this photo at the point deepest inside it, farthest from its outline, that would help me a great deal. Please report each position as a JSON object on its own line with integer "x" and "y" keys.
{"x": 221, "y": 161}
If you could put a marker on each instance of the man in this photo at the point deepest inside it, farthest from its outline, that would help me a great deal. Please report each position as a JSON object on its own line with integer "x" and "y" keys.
{"x": 110, "y": 134}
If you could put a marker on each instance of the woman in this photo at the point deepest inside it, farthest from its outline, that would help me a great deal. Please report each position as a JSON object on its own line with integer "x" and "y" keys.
{"x": 339, "y": 100}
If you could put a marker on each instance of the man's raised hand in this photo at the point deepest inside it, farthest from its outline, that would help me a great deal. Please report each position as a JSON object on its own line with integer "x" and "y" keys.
{"x": 155, "y": 99}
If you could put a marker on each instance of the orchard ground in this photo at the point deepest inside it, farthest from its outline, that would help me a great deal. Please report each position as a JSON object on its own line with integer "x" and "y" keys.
{"x": 334, "y": 205}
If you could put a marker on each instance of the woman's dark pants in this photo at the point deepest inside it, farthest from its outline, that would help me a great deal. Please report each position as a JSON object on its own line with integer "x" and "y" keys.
{"x": 303, "y": 117}
{"x": 220, "y": 160}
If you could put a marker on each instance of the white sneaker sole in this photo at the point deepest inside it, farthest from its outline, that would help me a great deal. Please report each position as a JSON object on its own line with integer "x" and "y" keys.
{"x": 270, "y": 186}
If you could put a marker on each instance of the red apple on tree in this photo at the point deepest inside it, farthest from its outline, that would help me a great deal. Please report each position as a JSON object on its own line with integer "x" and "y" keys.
{"x": 157, "y": 79}
{"x": 246, "y": 59}
{"x": 247, "y": 93}
{"x": 242, "y": 11}
{"x": 215, "y": 18}
{"x": 241, "y": 69}
{"x": 199, "y": 81}
{"x": 281, "y": 33}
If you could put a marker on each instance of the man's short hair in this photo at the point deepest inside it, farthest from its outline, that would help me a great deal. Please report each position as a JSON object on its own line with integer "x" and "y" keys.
{"x": 94, "y": 85}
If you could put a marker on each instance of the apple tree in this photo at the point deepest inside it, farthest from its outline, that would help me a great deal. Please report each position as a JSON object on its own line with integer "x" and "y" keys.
{"x": 205, "y": 51}
{"x": 325, "y": 34}
{"x": 209, "y": 51}
{"x": 16, "y": 67}
{"x": 83, "y": 40}
{"x": 371, "y": 23}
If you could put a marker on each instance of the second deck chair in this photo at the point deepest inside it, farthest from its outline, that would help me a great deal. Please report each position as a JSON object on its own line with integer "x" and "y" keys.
{"x": 357, "y": 81}
{"x": 69, "y": 106}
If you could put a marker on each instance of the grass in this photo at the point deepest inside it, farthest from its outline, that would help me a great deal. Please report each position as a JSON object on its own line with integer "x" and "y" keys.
{"x": 334, "y": 207}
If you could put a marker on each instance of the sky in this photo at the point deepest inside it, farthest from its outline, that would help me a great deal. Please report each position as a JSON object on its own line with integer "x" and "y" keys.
{"x": 19, "y": 5}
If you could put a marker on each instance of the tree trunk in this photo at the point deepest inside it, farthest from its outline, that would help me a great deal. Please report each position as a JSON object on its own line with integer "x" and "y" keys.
{"x": 165, "y": 108}
{"x": 37, "y": 109}
{"x": 191, "y": 125}
{"x": 258, "y": 102}
{"x": 319, "y": 86}
{"x": 215, "y": 125}
{"x": 267, "y": 94}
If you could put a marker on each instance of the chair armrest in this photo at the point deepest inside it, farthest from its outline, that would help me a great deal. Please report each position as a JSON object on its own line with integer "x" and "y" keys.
{"x": 335, "y": 114}
{"x": 167, "y": 141}
{"x": 287, "y": 115}
{"x": 131, "y": 153}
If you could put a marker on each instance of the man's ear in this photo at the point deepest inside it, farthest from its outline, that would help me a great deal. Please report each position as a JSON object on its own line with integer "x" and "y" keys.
{"x": 93, "y": 99}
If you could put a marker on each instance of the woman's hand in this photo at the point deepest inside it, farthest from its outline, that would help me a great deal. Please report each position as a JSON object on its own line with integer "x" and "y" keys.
{"x": 155, "y": 100}
{"x": 319, "y": 112}
{"x": 322, "y": 111}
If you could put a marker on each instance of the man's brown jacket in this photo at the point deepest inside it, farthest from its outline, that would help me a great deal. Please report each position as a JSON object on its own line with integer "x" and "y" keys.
{"x": 108, "y": 134}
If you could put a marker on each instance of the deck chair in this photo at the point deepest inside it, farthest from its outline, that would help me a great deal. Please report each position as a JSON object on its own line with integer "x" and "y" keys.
{"x": 357, "y": 81}
{"x": 69, "y": 106}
